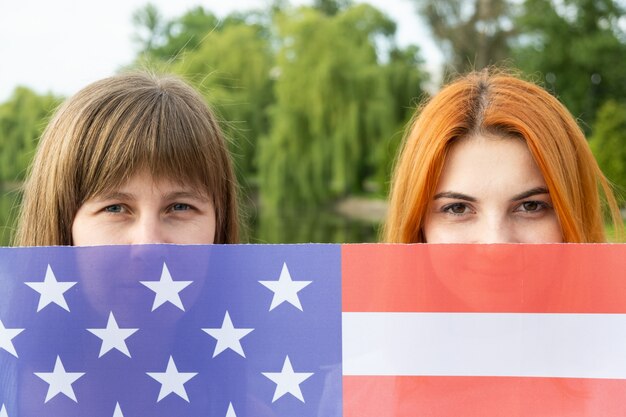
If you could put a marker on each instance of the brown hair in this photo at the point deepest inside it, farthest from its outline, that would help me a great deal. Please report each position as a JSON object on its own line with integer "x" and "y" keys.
{"x": 499, "y": 104}
{"x": 110, "y": 130}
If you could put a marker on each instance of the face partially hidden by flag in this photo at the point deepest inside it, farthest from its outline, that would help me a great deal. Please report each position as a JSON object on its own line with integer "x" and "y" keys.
{"x": 313, "y": 330}
{"x": 484, "y": 330}
{"x": 165, "y": 330}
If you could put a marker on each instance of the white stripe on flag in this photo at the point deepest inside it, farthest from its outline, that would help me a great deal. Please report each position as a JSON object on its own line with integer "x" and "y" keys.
{"x": 485, "y": 344}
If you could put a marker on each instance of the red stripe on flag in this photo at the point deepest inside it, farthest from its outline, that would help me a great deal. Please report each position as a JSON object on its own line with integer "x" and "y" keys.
{"x": 560, "y": 279}
{"x": 556, "y": 278}
{"x": 482, "y": 397}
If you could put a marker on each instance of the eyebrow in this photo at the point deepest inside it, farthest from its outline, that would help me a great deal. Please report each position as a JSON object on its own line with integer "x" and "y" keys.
{"x": 460, "y": 196}
{"x": 530, "y": 193}
{"x": 186, "y": 194}
{"x": 455, "y": 196}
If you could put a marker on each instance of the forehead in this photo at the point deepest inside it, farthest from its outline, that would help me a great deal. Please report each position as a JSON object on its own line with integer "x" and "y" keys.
{"x": 489, "y": 161}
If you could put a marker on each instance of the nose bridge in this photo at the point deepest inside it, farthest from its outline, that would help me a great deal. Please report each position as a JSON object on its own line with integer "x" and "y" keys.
{"x": 497, "y": 229}
{"x": 148, "y": 229}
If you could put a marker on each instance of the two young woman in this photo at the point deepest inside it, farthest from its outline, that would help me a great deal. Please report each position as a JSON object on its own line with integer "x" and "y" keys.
{"x": 137, "y": 158}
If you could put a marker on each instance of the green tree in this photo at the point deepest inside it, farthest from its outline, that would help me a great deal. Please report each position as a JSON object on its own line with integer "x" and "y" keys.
{"x": 149, "y": 26}
{"x": 580, "y": 49}
{"x": 163, "y": 40}
{"x": 472, "y": 34}
{"x": 405, "y": 81}
{"x": 334, "y": 108}
{"x": 187, "y": 33}
{"x": 313, "y": 99}
{"x": 609, "y": 144}
{"x": 232, "y": 68}
{"x": 331, "y": 7}
{"x": 22, "y": 120}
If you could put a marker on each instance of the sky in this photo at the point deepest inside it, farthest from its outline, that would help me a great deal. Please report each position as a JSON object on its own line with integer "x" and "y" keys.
{"x": 61, "y": 46}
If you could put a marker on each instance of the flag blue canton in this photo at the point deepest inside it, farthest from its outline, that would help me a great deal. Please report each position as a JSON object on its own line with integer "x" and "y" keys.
{"x": 163, "y": 330}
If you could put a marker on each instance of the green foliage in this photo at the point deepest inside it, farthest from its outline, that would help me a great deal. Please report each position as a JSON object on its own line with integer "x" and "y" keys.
{"x": 233, "y": 68}
{"x": 22, "y": 120}
{"x": 313, "y": 100}
{"x": 150, "y": 27}
{"x": 334, "y": 109}
{"x": 404, "y": 82}
{"x": 310, "y": 224}
{"x": 186, "y": 33}
{"x": 331, "y": 7}
{"x": 312, "y": 106}
{"x": 473, "y": 34}
{"x": 9, "y": 202}
{"x": 609, "y": 144}
{"x": 611, "y": 235}
{"x": 166, "y": 40}
{"x": 580, "y": 48}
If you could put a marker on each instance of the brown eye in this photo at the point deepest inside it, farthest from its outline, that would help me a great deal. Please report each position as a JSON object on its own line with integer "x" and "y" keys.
{"x": 456, "y": 208}
{"x": 532, "y": 206}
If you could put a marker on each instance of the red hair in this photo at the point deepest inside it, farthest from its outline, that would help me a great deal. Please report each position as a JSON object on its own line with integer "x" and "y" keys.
{"x": 506, "y": 106}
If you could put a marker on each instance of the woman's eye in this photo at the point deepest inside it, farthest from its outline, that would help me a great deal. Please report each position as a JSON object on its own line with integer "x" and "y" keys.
{"x": 113, "y": 208}
{"x": 531, "y": 206}
{"x": 180, "y": 207}
{"x": 456, "y": 208}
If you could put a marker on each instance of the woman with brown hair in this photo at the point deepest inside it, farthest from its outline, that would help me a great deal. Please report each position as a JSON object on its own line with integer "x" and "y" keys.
{"x": 134, "y": 158}
{"x": 131, "y": 159}
{"x": 495, "y": 159}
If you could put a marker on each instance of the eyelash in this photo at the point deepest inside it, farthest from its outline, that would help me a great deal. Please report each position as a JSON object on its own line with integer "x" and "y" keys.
{"x": 108, "y": 210}
{"x": 121, "y": 208}
{"x": 541, "y": 205}
{"x": 449, "y": 207}
{"x": 186, "y": 207}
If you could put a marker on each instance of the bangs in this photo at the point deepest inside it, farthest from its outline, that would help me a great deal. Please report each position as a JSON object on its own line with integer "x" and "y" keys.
{"x": 163, "y": 134}
{"x": 110, "y": 131}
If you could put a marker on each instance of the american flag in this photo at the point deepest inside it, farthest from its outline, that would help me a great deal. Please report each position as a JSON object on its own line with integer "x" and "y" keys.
{"x": 160, "y": 330}
{"x": 484, "y": 330}
{"x": 313, "y": 330}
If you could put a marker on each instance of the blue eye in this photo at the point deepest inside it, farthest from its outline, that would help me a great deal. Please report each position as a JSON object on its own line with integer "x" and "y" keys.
{"x": 114, "y": 208}
{"x": 180, "y": 207}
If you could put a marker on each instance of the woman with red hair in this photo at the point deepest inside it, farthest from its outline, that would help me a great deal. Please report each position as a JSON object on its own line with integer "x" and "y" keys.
{"x": 495, "y": 159}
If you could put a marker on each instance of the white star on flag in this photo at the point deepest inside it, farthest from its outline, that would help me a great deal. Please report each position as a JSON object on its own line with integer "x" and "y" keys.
{"x": 51, "y": 290}
{"x": 172, "y": 381}
{"x": 287, "y": 381}
{"x": 3, "y": 411}
{"x": 228, "y": 337}
{"x": 113, "y": 337}
{"x": 166, "y": 289}
{"x": 60, "y": 381}
{"x": 6, "y": 337}
{"x": 229, "y": 413}
{"x": 118, "y": 411}
{"x": 285, "y": 289}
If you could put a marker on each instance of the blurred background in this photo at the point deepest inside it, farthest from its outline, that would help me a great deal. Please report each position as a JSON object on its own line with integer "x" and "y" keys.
{"x": 314, "y": 96}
